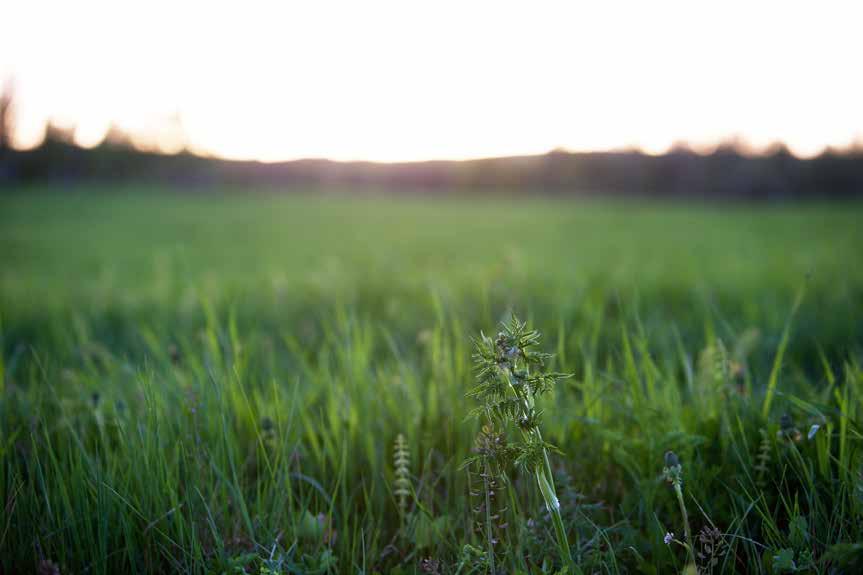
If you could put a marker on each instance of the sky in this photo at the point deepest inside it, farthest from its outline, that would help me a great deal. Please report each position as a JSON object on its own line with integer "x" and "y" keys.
{"x": 402, "y": 80}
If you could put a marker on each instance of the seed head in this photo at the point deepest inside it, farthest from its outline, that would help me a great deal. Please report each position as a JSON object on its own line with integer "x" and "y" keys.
{"x": 673, "y": 471}
{"x": 401, "y": 463}
{"x": 267, "y": 425}
{"x": 787, "y": 429}
{"x": 671, "y": 459}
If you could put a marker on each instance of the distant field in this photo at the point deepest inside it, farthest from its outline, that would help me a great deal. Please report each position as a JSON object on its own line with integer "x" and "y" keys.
{"x": 211, "y": 383}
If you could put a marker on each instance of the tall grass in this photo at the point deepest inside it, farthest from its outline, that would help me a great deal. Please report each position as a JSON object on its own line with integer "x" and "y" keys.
{"x": 217, "y": 386}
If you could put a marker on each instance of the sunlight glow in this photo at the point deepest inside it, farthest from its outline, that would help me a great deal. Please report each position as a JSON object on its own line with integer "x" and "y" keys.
{"x": 394, "y": 81}
{"x": 89, "y": 134}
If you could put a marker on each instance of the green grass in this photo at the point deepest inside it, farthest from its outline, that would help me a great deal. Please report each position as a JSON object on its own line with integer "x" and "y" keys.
{"x": 203, "y": 383}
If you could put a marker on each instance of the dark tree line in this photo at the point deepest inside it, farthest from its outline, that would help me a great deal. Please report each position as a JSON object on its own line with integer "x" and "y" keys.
{"x": 724, "y": 174}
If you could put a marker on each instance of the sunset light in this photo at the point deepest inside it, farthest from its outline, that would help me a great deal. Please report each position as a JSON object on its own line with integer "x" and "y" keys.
{"x": 393, "y": 81}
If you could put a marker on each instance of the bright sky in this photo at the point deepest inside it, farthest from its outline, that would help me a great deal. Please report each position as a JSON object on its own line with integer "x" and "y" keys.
{"x": 407, "y": 80}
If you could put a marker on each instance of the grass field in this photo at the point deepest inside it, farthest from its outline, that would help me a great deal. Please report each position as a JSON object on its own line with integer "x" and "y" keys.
{"x": 215, "y": 383}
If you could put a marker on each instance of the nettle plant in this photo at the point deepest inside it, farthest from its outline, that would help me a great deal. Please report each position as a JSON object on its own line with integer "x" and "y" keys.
{"x": 511, "y": 374}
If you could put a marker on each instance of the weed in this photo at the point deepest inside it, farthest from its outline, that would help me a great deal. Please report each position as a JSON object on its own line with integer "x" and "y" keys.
{"x": 401, "y": 465}
{"x": 673, "y": 472}
{"x": 491, "y": 452}
{"x": 711, "y": 549}
{"x": 507, "y": 390}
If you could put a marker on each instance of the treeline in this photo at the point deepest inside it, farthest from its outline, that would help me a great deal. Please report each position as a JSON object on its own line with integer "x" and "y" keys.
{"x": 724, "y": 174}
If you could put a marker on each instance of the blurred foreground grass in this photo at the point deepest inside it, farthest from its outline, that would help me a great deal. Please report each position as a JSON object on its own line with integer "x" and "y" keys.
{"x": 214, "y": 383}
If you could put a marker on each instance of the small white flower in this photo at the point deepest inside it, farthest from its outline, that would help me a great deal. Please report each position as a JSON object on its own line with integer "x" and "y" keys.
{"x": 669, "y": 537}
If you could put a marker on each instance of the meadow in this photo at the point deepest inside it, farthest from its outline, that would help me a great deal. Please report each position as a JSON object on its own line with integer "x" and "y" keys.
{"x": 246, "y": 382}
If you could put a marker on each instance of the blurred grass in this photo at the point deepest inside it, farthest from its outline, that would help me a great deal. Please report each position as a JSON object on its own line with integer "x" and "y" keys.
{"x": 191, "y": 381}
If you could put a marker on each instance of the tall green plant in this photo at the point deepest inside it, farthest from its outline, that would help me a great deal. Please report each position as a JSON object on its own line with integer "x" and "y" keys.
{"x": 673, "y": 472}
{"x": 511, "y": 373}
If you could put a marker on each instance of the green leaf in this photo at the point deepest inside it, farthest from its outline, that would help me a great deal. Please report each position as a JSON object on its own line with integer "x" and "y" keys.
{"x": 783, "y": 562}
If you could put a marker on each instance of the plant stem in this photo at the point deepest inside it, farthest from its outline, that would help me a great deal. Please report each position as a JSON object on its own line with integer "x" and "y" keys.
{"x": 488, "y": 531}
{"x": 545, "y": 480}
{"x": 546, "y": 487}
{"x": 687, "y": 531}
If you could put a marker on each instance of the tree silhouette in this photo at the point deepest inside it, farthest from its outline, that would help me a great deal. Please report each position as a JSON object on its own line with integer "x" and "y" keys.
{"x": 6, "y": 124}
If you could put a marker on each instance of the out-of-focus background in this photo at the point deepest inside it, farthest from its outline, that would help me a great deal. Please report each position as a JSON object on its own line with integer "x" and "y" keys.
{"x": 730, "y": 102}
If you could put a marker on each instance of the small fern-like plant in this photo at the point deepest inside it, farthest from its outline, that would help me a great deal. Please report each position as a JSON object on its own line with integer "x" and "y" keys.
{"x": 511, "y": 374}
{"x": 401, "y": 465}
{"x": 762, "y": 465}
{"x": 491, "y": 451}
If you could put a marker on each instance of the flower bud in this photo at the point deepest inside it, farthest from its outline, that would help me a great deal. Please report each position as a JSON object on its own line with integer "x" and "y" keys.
{"x": 671, "y": 459}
